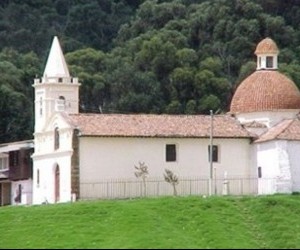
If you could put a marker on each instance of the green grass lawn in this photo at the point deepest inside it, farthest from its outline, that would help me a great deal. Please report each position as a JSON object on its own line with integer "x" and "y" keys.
{"x": 168, "y": 222}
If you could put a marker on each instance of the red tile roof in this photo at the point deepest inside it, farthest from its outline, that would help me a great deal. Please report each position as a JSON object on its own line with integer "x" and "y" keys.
{"x": 254, "y": 124}
{"x": 265, "y": 90}
{"x": 286, "y": 130}
{"x": 266, "y": 46}
{"x": 142, "y": 125}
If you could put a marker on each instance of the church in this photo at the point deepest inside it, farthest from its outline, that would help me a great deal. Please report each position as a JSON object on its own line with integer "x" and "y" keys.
{"x": 253, "y": 149}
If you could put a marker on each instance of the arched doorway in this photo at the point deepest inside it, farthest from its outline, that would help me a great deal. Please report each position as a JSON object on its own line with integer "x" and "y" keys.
{"x": 57, "y": 183}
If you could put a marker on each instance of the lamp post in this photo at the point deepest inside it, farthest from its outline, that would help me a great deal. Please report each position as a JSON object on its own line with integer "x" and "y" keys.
{"x": 210, "y": 155}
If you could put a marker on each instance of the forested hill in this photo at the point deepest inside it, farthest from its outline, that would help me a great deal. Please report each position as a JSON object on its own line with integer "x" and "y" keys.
{"x": 142, "y": 56}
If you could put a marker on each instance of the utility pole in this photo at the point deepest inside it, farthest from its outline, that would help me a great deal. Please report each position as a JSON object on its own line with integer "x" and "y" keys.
{"x": 210, "y": 154}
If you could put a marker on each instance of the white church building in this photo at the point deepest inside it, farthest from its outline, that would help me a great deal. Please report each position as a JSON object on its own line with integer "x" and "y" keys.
{"x": 255, "y": 146}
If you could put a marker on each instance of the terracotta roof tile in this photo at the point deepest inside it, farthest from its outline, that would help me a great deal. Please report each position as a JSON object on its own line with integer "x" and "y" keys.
{"x": 265, "y": 90}
{"x": 254, "y": 124}
{"x": 142, "y": 125}
{"x": 286, "y": 130}
{"x": 266, "y": 46}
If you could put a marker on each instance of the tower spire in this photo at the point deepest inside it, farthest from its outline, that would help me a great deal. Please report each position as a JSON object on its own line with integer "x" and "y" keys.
{"x": 56, "y": 65}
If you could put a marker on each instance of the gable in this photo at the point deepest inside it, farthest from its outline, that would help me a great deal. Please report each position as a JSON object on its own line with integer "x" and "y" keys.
{"x": 59, "y": 120}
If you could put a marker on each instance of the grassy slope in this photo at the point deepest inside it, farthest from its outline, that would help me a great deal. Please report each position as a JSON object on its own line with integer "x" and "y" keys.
{"x": 170, "y": 222}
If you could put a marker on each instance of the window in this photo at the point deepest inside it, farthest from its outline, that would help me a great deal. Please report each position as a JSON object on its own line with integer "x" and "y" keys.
{"x": 38, "y": 177}
{"x": 14, "y": 158}
{"x": 170, "y": 152}
{"x": 4, "y": 163}
{"x": 56, "y": 138}
{"x": 62, "y": 99}
{"x": 269, "y": 62}
{"x": 215, "y": 153}
{"x": 259, "y": 172}
{"x": 60, "y": 104}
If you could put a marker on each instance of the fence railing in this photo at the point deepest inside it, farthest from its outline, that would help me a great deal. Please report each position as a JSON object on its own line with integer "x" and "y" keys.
{"x": 131, "y": 188}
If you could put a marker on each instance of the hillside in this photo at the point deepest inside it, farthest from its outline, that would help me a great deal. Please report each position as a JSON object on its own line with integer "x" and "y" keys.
{"x": 170, "y": 222}
{"x": 146, "y": 56}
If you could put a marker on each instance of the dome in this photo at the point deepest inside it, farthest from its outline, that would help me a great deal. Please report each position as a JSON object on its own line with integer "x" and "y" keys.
{"x": 265, "y": 90}
{"x": 266, "y": 46}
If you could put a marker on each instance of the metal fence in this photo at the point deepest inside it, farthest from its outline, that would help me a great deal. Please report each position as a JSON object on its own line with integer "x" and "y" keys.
{"x": 153, "y": 187}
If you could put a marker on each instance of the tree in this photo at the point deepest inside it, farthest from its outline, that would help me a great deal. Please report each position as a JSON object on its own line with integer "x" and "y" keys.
{"x": 88, "y": 65}
{"x": 17, "y": 71}
{"x": 171, "y": 178}
{"x": 14, "y": 125}
{"x": 142, "y": 172}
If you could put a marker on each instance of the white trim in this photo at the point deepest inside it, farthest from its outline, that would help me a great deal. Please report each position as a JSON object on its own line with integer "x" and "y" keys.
{"x": 36, "y": 156}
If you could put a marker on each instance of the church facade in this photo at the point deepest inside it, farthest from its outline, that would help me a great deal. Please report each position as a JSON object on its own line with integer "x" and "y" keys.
{"x": 94, "y": 156}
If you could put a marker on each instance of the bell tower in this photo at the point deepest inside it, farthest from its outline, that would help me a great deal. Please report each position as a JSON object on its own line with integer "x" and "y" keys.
{"x": 267, "y": 55}
{"x": 56, "y": 91}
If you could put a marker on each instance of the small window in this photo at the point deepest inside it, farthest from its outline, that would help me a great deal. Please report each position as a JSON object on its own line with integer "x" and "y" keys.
{"x": 269, "y": 62}
{"x": 56, "y": 138}
{"x": 259, "y": 172}
{"x": 62, "y": 98}
{"x": 170, "y": 152}
{"x": 38, "y": 177}
{"x": 215, "y": 153}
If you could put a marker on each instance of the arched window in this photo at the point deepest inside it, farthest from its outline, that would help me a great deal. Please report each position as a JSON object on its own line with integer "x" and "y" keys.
{"x": 62, "y": 98}
{"x": 56, "y": 138}
{"x": 60, "y": 103}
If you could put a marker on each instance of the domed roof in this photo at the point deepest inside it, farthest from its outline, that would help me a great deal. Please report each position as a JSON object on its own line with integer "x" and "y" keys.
{"x": 265, "y": 90}
{"x": 266, "y": 46}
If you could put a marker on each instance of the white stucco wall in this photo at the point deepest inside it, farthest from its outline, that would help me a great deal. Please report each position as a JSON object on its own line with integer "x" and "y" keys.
{"x": 26, "y": 193}
{"x": 44, "y": 141}
{"x": 267, "y": 159}
{"x": 46, "y": 158}
{"x": 114, "y": 158}
{"x": 274, "y": 159}
{"x": 294, "y": 156}
{"x": 46, "y": 95}
{"x": 105, "y": 158}
{"x": 45, "y": 189}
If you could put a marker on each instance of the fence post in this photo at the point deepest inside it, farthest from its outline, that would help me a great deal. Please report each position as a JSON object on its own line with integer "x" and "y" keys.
{"x": 107, "y": 189}
{"x": 208, "y": 186}
{"x": 242, "y": 186}
{"x": 124, "y": 189}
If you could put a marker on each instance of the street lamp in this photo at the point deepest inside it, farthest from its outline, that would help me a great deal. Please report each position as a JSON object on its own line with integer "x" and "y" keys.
{"x": 211, "y": 154}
